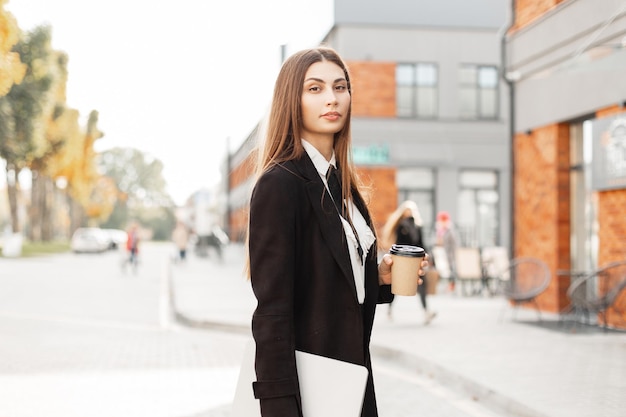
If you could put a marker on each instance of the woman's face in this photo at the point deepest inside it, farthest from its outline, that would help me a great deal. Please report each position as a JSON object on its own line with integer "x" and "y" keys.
{"x": 325, "y": 101}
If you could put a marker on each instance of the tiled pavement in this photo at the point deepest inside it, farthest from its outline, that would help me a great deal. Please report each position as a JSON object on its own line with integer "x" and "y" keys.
{"x": 477, "y": 351}
{"x": 470, "y": 362}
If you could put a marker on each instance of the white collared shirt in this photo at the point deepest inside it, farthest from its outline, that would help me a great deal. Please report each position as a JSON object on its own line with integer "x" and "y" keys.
{"x": 366, "y": 236}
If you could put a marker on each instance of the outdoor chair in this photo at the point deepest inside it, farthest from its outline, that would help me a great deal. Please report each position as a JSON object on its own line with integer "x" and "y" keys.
{"x": 495, "y": 261}
{"x": 597, "y": 293}
{"x": 469, "y": 270}
{"x": 524, "y": 280}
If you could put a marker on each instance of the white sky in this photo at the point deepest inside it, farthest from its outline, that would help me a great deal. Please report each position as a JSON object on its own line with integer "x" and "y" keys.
{"x": 175, "y": 79}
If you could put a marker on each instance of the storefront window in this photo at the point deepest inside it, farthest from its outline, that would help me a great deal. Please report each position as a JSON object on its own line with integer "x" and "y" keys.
{"x": 478, "y": 200}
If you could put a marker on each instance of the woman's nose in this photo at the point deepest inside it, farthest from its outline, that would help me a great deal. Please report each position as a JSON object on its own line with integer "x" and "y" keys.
{"x": 331, "y": 98}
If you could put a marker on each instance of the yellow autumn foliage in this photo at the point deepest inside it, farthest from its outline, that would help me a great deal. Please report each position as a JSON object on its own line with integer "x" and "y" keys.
{"x": 102, "y": 199}
{"x": 12, "y": 69}
{"x": 74, "y": 158}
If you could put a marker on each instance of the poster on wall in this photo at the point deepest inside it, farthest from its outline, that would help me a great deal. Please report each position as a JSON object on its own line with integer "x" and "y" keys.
{"x": 609, "y": 153}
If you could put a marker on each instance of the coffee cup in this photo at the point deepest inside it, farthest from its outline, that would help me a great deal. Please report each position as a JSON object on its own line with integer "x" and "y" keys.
{"x": 405, "y": 268}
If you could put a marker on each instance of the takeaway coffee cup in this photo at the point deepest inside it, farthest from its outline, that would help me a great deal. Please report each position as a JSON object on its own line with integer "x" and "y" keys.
{"x": 405, "y": 267}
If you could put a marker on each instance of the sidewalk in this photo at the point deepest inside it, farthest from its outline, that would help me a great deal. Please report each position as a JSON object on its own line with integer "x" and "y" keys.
{"x": 509, "y": 361}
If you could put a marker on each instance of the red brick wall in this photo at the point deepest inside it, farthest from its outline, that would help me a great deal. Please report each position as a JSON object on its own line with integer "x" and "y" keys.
{"x": 542, "y": 205}
{"x": 612, "y": 230}
{"x": 611, "y": 226}
{"x": 381, "y": 193}
{"x": 612, "y": 242}
{"x": 238, "y": 224}
{"x": 610, "y": 111}
{"x": 373, "y": 88}
{"x": 238, "y": 219}
{"x": 611, "y": 213}
{"x": 243, "y": 171}
{"x": 612, "y": 238}
{"x": 528, "y": 10}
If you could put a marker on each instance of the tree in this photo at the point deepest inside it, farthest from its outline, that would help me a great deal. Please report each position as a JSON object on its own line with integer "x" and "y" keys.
{"x": 82, "y": 175}
{"x": 58, "y": 128}
{"x": 21, "y": 125}
{"x": 141, "y": 188}
{"x": 12, "y": 70}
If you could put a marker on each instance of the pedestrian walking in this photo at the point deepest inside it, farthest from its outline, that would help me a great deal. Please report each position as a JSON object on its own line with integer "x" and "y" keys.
{"x": 132, "y": 248}
{"x": 445, "y": 236}
{"x": 180, "y": 238}
{"x": 311, "y": 240}
{"x": 404, "y": 227}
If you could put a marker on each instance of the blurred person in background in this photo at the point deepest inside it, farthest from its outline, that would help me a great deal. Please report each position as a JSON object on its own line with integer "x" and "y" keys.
{"x": 180, "y": 238}
{"x": 404, "y": 227}
{"x": 132, "y": 246}
{"x": 445, "y": 236}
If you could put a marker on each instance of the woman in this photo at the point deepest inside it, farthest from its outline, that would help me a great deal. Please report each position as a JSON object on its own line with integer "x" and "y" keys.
{"x": 312, "y": 258}
{"x": 180, "y": 237}
{"x": 446, "y": 238}
{"x": 404, "y": 227}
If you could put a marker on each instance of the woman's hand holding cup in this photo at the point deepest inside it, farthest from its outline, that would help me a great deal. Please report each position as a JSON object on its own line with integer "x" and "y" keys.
{"x": 385, "y": 267}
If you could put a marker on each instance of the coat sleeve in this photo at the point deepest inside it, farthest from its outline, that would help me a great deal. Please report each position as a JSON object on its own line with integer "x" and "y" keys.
{"x": 272, "y": 241}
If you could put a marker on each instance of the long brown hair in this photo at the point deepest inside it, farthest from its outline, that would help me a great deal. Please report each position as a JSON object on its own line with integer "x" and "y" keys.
{"x": 282, "y": 141}
{"x": 285, "y": 123}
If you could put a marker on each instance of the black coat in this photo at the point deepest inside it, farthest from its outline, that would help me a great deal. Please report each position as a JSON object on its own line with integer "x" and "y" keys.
{"x": 302, "y": 278}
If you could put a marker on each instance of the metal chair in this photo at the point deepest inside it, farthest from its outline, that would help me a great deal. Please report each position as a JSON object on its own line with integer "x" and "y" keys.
{"x": 609, "y": 281}
{"x": 495, "y": 260}
{"x": 524, "y": 280}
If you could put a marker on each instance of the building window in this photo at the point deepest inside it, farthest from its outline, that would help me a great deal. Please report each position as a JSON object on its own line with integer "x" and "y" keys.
{"x": 416, "y": 94}
{"x": 478, "y": 92}
{"x": 478, "y": 202}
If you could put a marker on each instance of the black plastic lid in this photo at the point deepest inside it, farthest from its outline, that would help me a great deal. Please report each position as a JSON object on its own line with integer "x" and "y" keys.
{"x": 407, "y": 250}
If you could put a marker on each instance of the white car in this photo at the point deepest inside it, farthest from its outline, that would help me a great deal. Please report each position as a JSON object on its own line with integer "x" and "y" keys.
{"x": 89, "y": 239}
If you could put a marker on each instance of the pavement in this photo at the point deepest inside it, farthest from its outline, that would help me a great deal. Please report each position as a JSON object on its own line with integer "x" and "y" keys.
{"x": 515, "y": 362}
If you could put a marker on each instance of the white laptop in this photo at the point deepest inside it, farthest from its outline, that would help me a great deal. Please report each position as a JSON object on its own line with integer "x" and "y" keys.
{"x": 328, "y": 387}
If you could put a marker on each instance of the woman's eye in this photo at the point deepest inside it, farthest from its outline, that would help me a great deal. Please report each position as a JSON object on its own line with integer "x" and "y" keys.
{"x": 314, "y": 88}
{"x": 341, "y": 87}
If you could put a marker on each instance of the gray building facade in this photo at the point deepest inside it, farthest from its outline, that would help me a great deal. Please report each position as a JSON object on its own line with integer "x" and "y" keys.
{"x": 450, "y": 137}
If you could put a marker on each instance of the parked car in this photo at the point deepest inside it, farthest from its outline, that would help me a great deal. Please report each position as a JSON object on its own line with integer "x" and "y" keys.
{"x": 117, "y": 238}
{"x": 89, "y": 239}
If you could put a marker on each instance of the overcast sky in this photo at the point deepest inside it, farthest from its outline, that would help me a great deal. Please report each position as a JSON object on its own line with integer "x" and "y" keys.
{"x": 175, "y": 79}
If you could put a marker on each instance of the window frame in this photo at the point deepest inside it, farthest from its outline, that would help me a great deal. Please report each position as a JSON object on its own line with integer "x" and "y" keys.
{"x": 414, "y": 87}
{"x": 478, "y": 112}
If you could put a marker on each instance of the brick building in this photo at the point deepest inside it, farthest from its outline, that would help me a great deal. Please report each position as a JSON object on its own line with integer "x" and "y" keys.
{"x": 430, "y": 113}
{"x": 566, "y": 63}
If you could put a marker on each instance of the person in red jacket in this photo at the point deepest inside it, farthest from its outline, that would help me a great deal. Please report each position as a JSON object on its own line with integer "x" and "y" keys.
{"x": 132, "y": 246}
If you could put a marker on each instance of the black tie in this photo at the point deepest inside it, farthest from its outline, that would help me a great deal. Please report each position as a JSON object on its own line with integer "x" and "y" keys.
{"x": 334, "y": 186}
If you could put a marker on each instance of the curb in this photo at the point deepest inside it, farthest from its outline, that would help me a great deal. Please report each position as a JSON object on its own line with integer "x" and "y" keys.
{"x": 477, "y": 392}
{"x": 188, "y": 321}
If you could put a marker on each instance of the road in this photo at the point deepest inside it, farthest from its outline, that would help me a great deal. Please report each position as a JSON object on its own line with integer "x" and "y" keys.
{"x": 81, "y": 337}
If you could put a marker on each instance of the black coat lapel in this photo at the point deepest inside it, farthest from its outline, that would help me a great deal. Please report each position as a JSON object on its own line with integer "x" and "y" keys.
{"x": 326, "y": 213}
